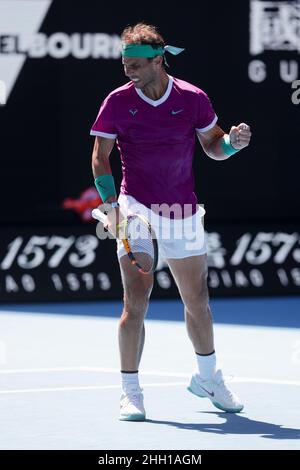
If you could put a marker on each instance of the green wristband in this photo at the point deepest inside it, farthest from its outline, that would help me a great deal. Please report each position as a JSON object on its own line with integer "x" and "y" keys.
{"x": 105, "y": 185}
{"x": 228, "y": 149}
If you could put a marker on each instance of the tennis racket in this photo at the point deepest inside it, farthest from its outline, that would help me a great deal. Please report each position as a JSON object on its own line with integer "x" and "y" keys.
{"x": 138, "y": 238}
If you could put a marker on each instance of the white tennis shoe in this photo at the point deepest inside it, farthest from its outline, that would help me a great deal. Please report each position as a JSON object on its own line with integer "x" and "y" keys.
{"x": 217, "y": 391}
{"x": 132, "y": 406}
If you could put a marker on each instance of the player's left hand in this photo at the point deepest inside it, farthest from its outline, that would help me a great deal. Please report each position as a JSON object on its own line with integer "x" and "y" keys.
{"x": 240, "y": 136}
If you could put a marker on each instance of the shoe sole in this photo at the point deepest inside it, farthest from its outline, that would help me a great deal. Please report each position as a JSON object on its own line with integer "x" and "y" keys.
{"x": 133, "y": 417}
{"x": 216, "y": 404}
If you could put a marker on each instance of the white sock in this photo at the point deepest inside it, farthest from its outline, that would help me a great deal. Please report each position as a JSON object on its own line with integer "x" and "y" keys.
{"x": 207, "y": 365}
{"x": 130, "y": 382}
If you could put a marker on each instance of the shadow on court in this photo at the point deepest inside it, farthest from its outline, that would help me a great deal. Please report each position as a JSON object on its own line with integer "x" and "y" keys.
{"x": 235, "y": 424}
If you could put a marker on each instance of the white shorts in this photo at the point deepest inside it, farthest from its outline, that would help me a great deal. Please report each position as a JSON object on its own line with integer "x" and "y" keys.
{"x": 176, "y": 238}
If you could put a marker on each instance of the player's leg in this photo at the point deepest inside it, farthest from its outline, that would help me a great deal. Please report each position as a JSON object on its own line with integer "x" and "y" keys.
{"x": 190, "y": 275}
{"x": 137, "y": 289}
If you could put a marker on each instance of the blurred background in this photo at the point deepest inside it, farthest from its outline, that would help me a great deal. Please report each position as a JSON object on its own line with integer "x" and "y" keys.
{"x": 58, "y": 61}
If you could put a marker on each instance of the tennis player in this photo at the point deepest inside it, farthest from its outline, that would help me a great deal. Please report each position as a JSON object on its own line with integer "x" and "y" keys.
{"x": 154, "y": 119}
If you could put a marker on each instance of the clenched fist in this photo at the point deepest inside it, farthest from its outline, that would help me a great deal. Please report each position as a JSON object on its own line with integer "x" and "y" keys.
{"x": 240, "y": 136}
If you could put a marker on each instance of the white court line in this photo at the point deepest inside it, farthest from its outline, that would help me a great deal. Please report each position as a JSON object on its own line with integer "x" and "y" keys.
{"x": 263, "y": 381}
{"x": 50, "y": 369}
{"x": 87, "y": 369}
{"x": 234, "y": 379}
{"x": 88, "y": 387}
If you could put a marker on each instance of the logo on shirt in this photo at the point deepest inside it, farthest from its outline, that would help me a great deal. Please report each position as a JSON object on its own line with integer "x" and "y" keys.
{"x": 176, "y": 112}
{"x": 133, "y": 111}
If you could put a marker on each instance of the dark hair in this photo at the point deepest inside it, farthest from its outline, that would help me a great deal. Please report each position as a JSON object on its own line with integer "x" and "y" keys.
{"x": 143, "y": 33}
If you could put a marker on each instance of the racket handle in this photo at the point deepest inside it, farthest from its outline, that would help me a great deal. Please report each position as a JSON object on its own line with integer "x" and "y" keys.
{"x": 98, "y": 215}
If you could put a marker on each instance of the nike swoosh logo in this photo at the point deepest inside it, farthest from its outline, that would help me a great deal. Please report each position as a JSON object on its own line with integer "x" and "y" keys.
{"x": 133, "y": 111}
{"x": 207, "y": 391}
{"x": 176, "y": 112}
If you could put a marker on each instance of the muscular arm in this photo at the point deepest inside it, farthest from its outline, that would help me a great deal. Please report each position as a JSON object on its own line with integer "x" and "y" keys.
{"x": 212, "y": 140}
{"x": 211, "y": 143}
{"x": 100, "y": 158}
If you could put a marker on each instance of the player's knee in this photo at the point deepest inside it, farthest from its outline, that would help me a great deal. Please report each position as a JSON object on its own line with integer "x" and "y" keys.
{"x": 136, "y": 297}
{"x": 197, "y": 296}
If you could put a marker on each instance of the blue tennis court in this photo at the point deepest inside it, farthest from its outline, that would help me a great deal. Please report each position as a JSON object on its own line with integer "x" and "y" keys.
{"x": 60, "y": 385}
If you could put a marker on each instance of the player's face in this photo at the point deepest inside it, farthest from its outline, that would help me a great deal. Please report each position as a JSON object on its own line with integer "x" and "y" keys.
{"x": 139, "y": 70}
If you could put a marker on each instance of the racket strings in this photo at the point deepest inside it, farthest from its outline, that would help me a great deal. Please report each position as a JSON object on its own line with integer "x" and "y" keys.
{"x": 141, "y": 243}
